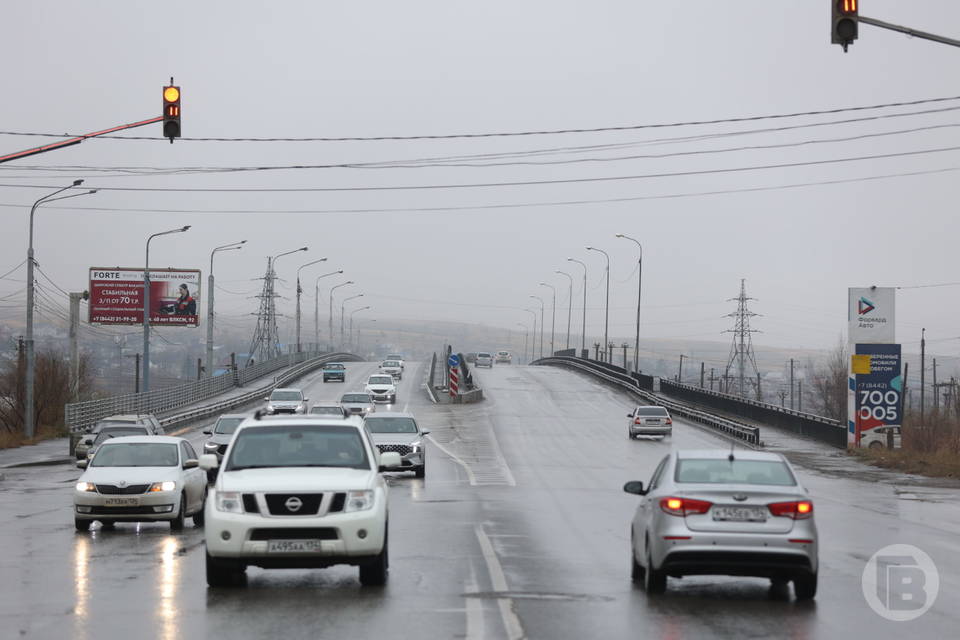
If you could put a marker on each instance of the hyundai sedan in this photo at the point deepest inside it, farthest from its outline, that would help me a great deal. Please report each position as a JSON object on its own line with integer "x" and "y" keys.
{"x": 735, "y": 513}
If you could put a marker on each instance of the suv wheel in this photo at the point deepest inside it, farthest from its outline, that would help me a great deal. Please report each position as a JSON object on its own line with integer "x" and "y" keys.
{"x": 421, "y": 471}
{"x": 876, "y": 444}
{"x": 655, "y": 581}
{"x": 224, "y": 573}
{"x": 374, "y": 573}
{"x": 198, "y": 517}
{"x": 805, "y": 587}
{"x": 81, "y": 525}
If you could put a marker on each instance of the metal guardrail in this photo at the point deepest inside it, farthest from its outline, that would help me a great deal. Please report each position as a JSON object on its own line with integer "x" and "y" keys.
{"x": 80, "y": 415}
{"x": 747, "y": 434}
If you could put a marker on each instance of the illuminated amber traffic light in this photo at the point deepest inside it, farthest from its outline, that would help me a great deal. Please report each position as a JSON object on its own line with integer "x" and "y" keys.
{"x": 171, "y": 112}
{"x": 845, "y": 23}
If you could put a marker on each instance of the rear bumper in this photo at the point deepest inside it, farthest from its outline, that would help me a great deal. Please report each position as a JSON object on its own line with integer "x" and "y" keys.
{"x": 759, "y": 555}
{"x": 659, "y": 430}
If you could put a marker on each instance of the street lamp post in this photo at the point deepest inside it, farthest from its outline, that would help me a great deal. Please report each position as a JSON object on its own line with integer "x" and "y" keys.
{"x": 299, "y": 291}
{"x": 29, "y": 417}
{"x": 330, "y": 318}
{"x": 210, "y": 284}
{"x": 351, "y": 321}
{"x": 583, "y": 333}
{"x": 569, "y": 306}
{"x": 533, "y": 341}
{"x": 275, "y": 349}
{"x": 526, "y": 335}
{"x": 606, "y": 313}
{"x": 146, "y": 306}
{"x": 316, "y": 306}
{"x": 342, "y": 309}
{"x": 539, "y": 299}
{"x": 553, "y": 316}
{"x": 359, "y": 334}
{"x": 636, "y": 348}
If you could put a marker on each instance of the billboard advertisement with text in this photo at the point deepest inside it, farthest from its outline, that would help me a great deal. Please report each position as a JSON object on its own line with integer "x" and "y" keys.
{"x": 116, "y": 296}
{"x": 878, "y": 387}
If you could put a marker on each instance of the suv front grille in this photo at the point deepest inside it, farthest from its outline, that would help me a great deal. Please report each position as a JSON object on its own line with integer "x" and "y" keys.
{"x": 250, "y": 503}
{"x": 276, "y": 503}
{"x": 402, "y": 449}
{"x": 112, "y": 489}
{"x": 298, "y": 533}
{"x": 336, "y": 505}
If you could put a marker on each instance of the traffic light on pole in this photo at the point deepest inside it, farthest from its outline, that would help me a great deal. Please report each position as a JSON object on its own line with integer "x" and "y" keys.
{"x": 171, "y": 111}
{"x": 845, "y": 22}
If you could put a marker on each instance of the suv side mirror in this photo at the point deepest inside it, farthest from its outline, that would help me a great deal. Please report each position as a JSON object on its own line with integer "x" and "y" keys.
{"x": 424, "y": 433}
{"x": 192, "y": 463}
{"x": 208, "y": 461}
{"x": 635, "y": 487}
{"x": 81, "y": 464}
{"x": 207, "y": 432}
{"x": 629, "y": 415}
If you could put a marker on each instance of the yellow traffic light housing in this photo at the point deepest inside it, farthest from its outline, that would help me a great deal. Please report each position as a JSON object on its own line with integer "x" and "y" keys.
{"x": 171, "y": 111}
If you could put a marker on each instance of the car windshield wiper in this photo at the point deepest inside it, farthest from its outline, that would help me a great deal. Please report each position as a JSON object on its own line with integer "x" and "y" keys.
{"x": 251, "y": 466}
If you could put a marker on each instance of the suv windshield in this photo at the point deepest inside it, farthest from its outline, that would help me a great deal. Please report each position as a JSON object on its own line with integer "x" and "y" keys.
{"x": 115, "y": 432}
{"x": 380, "y": 380}
{"x": 356, "y": 397}
{"x": 390, "y": 363}
{"x": 227, "y": 425}
{"x": 286, "y": 396}
{"x": 331, "y": 410}
{"x": 391, "y": 425}
{"x": 334, "y": 365}
{"x": 651, "y": 411}
{"x": 297, "y": 446}
{"x": 722, "y": 471}
{"x": 136, "y": 454}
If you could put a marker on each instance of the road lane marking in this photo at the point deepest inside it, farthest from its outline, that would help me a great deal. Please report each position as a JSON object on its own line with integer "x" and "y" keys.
{"x": 498, "y": 580}
{"x": 450, "y": 454}
{"x": 474, "y": 608}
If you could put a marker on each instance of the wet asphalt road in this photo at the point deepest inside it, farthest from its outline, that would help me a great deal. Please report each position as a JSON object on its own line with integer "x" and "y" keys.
{"x": 520, "y": 529}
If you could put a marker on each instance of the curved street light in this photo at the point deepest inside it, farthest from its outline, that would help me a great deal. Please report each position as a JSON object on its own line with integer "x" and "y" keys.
{"x": 553, "y": 316}
{"x": 636, "y": 347}
{"x": 351, "y": 321}
{"x": 606, "y": 313}
{"x": 299, "y": 291}
{"x": 569, "y": 305}
{"x": 233, "y": 246}
{"x": 330, "y": 318}
{"x": 526, "y": 335}
{"x": 533, "y": 341}
{"x": 538, "y": 298}
{"x": 342, "y": 310}
{"x": 583, "y": 332}
{"x": 316, "y": 305}
{"x": 146, "y": 307}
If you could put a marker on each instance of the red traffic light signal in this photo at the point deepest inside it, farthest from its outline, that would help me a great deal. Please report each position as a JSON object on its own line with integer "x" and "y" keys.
{"x": 171, "y": 112}
{"x": 845, "y": 22}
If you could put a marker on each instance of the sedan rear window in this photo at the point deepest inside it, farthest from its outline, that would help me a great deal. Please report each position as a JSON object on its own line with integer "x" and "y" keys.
{"x": 723, "y": 471}
{"x": 652, "y": 411}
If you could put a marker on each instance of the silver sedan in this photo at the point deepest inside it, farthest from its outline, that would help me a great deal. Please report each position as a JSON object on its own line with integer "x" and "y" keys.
{"x": 735, "y": 513}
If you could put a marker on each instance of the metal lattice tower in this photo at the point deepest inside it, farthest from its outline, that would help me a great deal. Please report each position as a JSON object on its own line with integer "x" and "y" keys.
{"x": 741, "y": 351}
{"x": 266, "y": 338}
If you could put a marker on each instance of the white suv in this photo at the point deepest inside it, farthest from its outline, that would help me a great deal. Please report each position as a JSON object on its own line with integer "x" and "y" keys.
{"x": 381, "y": 388}
{"x": 298, "y": 492}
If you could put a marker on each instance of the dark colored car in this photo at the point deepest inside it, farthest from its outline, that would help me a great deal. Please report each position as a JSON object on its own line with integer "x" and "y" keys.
{"x": 334, "y": 371}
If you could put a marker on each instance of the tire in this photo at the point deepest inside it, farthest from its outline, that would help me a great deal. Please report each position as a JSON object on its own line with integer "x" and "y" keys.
{"x": 224, "y": 573}
{"x": 655, "y": 581}
{"x": 199, "y": 516}
{"x": 81, "y": 525}
{"x": 876, "y": 444}
{"x": 108, "y": 524}
{"x": 805, "y": 587}
{"x": 637, "y": 573}
{"x": 421, "y": 471}
{"x": 177, "y": 523}
{"x": 374, "y": 573}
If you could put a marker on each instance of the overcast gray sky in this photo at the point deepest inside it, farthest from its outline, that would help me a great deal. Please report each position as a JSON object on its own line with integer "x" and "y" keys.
{"x": 388, "y": 68}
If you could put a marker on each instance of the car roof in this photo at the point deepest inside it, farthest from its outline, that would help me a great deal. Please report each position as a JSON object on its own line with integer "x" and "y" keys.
{"x": 391, "y": 414}
{"x": 289, "y": 389}
{"x": 303, "y": 420}
{"x": 233, "y": 415}
{"x": 145, "y": 440}
{"x": 720, "y": 454}
{"x": 124, "y": 425}
{"x": 126, "y": 417}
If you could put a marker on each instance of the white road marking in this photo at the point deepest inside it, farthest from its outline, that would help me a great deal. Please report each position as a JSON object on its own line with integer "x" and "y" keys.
{"x": 474, "y": 608}
{"x": 473, "y": 478}
{"x": 498, "y": 580}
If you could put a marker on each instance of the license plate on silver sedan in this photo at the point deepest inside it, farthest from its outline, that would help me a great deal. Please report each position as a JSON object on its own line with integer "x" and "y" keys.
{"x": 293, "y": 546}
{"x": 739, "y": 514}
{"x": 121, "y": 502}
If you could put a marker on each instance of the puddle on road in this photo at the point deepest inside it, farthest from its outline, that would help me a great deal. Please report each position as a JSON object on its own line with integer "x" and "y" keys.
{"x": 532, "y": 595}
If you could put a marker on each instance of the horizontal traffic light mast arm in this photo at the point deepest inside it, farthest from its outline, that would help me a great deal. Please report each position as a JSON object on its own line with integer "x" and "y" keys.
{"x": 76, "y": 140}
{"x": 910, "y": 32}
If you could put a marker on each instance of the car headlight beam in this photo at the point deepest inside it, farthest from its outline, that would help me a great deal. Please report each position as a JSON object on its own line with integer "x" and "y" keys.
{"x": 229, "y": 501}
{"x": 359, "y": 501}
{"x": 168, "y": 485}
{"x": 86, "y": 486}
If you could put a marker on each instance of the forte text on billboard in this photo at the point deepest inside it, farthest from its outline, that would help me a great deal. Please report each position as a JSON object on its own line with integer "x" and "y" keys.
{"x": 116, "y": 296}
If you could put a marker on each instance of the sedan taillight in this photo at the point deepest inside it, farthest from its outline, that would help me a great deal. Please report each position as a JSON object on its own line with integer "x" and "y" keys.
{"x": 684, "y": 506}
{"x": 799, "y": 510}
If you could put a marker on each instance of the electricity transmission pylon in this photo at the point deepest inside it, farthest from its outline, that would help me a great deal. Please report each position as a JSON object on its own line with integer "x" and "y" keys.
{"x": 741, "y": 351}
{"x": 266, "y": 339}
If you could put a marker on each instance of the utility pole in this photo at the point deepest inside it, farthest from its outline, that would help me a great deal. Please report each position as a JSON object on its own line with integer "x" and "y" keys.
{"x": 703, "y": 366}
{"x": 759, "y": 394}
{"x": 800, "y": 395}
{"x": 680, "y": 370}
{"x": 923, "y": 368}
{"x": 711, "y": 378}
{"x": 569, "y": 306}
{"x": 936, "y": 389}
{"x": 625, "y": 345}
{"x": 75, "y": 299}
{"x": 791, "y": 384}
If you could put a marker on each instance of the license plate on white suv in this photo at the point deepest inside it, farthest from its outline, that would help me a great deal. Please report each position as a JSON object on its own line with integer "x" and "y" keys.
{"x": 740, "y": 514}
{"x": 294, "y": 546}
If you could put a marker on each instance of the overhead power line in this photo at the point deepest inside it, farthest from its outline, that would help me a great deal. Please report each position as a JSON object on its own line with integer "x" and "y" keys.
{"x": 502, "y": 134}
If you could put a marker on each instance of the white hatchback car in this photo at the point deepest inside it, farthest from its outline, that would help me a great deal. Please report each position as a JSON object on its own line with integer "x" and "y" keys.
{"x": 735, "y": 513}
{"x": 140, "y": 479}
{"x": 381, "y": 388}
{"x": 298, "y": 492}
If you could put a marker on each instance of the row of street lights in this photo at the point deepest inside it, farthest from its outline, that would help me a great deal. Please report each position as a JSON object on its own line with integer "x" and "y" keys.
{"x": 30, "y": 374}
{"x": 606, "y": 313}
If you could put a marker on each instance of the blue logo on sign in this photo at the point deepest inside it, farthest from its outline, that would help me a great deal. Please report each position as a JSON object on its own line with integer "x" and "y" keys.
{"x": 454, "y": 360}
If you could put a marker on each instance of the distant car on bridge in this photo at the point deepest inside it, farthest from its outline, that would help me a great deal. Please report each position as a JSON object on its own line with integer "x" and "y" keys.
{"x": 649, "y": 421}
{"x": 503, "y": 357}
{"x": 484, "y": 359}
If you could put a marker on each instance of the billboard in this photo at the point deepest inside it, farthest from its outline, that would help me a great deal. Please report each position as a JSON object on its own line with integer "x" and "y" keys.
{"x": 116, "y": 296}
{"x": 870, "y": 315}
{"x": 877, "y": 386}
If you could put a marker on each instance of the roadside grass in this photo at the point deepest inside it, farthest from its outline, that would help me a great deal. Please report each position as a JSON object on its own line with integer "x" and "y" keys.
{"x": 938, "y": 464}
{"x": 9, "y": 439}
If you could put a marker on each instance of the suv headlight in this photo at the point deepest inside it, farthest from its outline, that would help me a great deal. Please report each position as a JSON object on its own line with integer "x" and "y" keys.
{"x": 86, "y": 486}
{"x": 416, "y": 446}
{"x": 229, "y": 501}
{"x": 169, "y": 485}
{"x": 269, "y": 407}
{"x": 210, "y": 446}
{"x": 359, "y": 501}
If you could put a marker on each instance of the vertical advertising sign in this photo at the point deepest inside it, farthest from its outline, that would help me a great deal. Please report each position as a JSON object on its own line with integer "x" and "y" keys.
{"x": 879, "y": 387}
{"x": 116, "y": 297}
{"x": 871, "y": 319}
